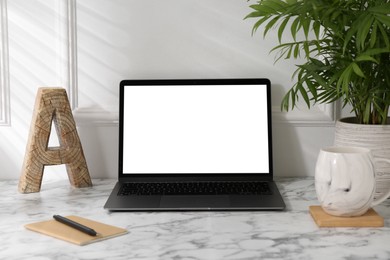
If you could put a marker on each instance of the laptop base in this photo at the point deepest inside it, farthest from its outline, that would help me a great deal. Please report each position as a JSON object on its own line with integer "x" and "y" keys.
{"x": 194, "y": 202}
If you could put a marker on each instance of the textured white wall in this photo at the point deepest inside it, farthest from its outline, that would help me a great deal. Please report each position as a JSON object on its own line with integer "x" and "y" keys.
{"x": 88, "y": 46}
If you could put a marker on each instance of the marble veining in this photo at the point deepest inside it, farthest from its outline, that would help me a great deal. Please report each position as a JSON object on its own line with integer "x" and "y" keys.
{"x": 291, "y": 234}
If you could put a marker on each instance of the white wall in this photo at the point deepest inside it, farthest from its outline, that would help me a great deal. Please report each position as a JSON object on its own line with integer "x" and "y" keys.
{"x": 88, "y": 46}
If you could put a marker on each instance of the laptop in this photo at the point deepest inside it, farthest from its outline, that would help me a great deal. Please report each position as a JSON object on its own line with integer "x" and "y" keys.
{"x": 195, "y": 144}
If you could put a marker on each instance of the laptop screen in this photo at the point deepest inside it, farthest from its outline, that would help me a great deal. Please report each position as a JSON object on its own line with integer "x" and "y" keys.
{"x": 195, "y": 126}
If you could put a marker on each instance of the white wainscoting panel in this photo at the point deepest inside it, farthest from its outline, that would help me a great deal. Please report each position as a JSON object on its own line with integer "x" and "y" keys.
{"x": 34, "y": 37}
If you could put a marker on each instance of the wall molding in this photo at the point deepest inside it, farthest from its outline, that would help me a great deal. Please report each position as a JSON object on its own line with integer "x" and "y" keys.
{"x": 319, "y": 115}
{"x": 83, "y": 116}
{"x": 72, "y": 52}
{"x": 96, "y": 117}
{"x": 5, "y": 104}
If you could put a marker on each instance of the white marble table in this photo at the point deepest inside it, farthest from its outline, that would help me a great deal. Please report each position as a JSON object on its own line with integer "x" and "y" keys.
{"x": 291, "y": 234}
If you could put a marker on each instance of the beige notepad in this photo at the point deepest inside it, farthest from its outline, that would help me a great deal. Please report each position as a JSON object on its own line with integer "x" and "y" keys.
{"x": 61, "y": 231}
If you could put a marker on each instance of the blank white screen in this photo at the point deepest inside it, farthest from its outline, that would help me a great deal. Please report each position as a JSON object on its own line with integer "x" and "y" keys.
{"x": 195, "y": 129}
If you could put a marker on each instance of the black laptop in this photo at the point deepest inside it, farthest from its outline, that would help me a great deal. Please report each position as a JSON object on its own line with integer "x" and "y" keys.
{"x": 195, "y": 145}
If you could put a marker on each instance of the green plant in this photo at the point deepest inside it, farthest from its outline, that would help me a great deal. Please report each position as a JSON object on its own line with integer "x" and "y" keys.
{"x": 346, "y": 48}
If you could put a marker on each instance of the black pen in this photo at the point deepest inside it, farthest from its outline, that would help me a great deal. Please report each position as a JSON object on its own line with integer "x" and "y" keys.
{"x": 75, "y": 225}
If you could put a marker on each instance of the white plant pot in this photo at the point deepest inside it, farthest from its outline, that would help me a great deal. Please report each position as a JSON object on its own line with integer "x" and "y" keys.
{"x": 374, "y": 137}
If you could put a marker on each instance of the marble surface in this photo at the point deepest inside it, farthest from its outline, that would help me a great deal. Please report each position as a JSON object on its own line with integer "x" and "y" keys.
{"x": 291, "y": 234}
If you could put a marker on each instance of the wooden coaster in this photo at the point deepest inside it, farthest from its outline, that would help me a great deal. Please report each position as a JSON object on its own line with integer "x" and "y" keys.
{"x": 322, "y": 219}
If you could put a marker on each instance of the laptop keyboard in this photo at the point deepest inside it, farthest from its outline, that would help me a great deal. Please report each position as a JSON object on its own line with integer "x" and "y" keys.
{"x": 195, "y": 188}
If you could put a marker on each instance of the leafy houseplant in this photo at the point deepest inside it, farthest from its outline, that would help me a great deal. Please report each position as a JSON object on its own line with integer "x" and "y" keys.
{"x": 346, "y": 47}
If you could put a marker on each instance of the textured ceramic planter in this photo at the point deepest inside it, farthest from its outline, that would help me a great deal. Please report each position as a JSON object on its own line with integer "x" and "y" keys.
{"x": 374, "y": 137}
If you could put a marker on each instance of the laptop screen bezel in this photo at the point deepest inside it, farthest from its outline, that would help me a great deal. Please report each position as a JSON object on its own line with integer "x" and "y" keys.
{"x": 124, "y": 177}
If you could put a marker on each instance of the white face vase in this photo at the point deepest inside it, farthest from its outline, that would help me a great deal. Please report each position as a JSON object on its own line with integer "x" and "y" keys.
{"x": 345, "y": 181}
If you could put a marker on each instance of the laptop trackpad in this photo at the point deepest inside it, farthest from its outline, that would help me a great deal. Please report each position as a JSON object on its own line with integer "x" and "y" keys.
{"x": 195, "y": 202}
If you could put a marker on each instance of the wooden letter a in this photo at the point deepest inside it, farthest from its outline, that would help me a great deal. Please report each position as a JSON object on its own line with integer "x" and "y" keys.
{"x": 52, "y": 105}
